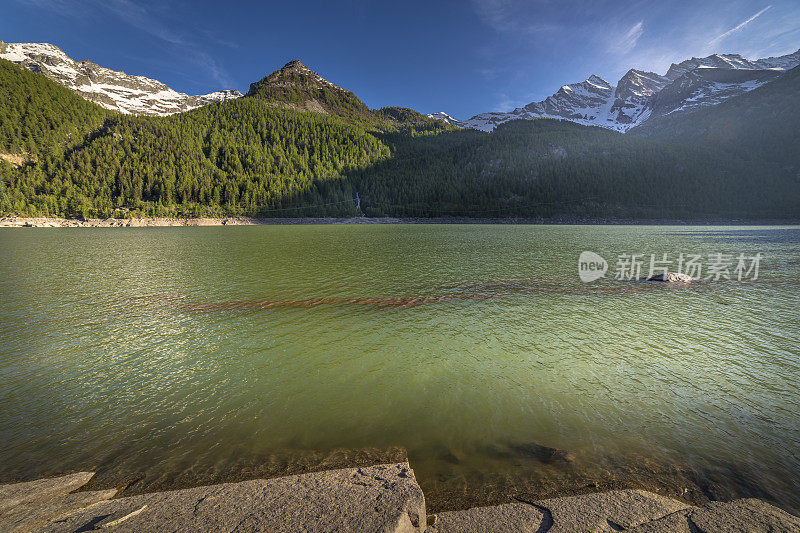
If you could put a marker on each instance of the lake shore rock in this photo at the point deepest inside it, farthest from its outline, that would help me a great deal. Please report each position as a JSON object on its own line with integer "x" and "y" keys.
{"x": 383, "y": 498}
{"x": 43, "y": 222}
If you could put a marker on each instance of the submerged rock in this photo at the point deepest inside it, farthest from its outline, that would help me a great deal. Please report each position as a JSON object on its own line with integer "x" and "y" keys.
{"x": 671, "y": 277}
{"x": 544, "y": 454}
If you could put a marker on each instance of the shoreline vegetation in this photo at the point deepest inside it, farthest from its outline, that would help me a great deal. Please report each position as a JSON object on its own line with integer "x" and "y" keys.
{"x": 48, "y": 222}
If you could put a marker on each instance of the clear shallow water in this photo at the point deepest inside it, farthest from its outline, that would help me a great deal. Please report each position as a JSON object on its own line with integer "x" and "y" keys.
{"x": 164, "y": 351}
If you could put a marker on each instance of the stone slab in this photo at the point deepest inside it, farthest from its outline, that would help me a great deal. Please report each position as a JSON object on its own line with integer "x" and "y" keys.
{"x": 672, "y": 523}
{"x": 382, "y": 498}
{"x": 40, "y": 491}
{"x": 607, "y": 511}
{"x": 747, "y": 514}
{"x": 511, "y": 518}
{"x": 25, "y": 518}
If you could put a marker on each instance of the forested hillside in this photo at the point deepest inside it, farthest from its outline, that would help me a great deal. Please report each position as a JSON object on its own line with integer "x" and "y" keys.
{"x": 548, "y": 167}
{"x": 296, "y": 146}
{"x": 759, "y": 126}
{"x": 39, "y": 116}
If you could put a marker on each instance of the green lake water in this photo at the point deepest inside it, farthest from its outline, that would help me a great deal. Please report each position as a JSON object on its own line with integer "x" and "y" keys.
{"x": 187, "y": 355}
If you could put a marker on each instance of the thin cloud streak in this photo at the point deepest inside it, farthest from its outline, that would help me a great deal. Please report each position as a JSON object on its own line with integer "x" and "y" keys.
{"x": 505, "y": 16}
{"x": 629, "y": 40}
{"x": 738, "y": 27}
{"x": 140, "y": 18}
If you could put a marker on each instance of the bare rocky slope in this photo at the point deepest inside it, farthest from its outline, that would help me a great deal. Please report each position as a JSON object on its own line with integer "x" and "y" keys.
{"x": 112, "y": 89}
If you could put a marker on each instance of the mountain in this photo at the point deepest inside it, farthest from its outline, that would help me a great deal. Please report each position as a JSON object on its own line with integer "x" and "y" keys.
{"x": 760, "y": 124}
{"x": 758, "y": 129}
{"x": 704, "y": 87}
{"x": 633, "y": 91}
{"x": 444, "y": 117}
{"x": 298, "y": 87}
{"x": 112, "y": 89}
{"x": 733, "y": 62}
{"x": 38, "y": 116}
{"x": 641, "y": 96}
{"x": 266, "y": 154}
{"x": 294, "y": 86}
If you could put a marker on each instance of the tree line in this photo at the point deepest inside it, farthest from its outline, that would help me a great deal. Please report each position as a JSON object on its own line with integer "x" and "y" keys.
{"x": 250, "y": 156}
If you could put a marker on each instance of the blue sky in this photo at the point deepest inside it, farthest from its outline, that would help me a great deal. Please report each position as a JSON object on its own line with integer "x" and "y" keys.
{"x": 462, "y": 57}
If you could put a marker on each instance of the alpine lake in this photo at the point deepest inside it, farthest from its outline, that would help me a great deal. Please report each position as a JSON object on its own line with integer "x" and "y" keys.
{"x": 171, "y": 357}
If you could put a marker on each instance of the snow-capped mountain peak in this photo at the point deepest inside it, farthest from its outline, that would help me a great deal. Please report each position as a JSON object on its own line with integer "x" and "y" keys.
{"x": 640, "y": 95}
{"x": 640, "y": 84}
{"x": 444, "y": 117}
{"x": 786, "y": 62}
{"x": 596, "y": 81}
{"x": 109, "y": 88}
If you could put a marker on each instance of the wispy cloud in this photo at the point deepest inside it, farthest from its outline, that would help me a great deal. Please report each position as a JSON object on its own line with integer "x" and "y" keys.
{"x": 504, "y": 102}
{"x": 628, "y": 40}
{"x": 141, "y": 18}
{"x": 138, "y": 17}
{"x": 738, "y": 27}
{"x": 508, "y": 16}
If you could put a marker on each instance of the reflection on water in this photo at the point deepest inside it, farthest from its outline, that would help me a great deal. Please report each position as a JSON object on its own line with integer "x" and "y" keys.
{"x": 179, "y": 356}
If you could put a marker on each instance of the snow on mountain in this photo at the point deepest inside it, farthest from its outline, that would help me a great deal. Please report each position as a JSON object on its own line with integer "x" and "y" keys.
{"x": 786, "y": 62}
{"x": 111, "y": 89}
{"x": 585, "y": 100}
{"x": 633, "y": 91}
{"x": 444, "y": 117}
{"x": 640, "y": 95}
{"x": 726, "y": 61}
{"x": 706, "y": 86}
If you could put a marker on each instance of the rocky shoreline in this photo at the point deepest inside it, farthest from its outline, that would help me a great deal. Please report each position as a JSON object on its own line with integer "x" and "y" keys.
{"x": 384, "y": 497}
{"x": 44, "y": 222}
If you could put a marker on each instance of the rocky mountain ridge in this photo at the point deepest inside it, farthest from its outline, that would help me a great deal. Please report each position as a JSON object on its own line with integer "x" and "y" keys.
{"x": 112, "y": 89}
{"x": 640, "y": 96}
{"x": 296, "y": 86}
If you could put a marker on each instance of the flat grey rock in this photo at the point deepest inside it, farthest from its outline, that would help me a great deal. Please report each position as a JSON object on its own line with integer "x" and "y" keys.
{"x": 40, "y": 491}
{"x": 382, "y": 498}
{"x": 743, "y": 515}
{"x": 378, "y": 498}
{"x": 672, "y": 523}
{"x": 608, "y": 511}
{"x": 510, "y": 517}
{"x": 32, "y": 517}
